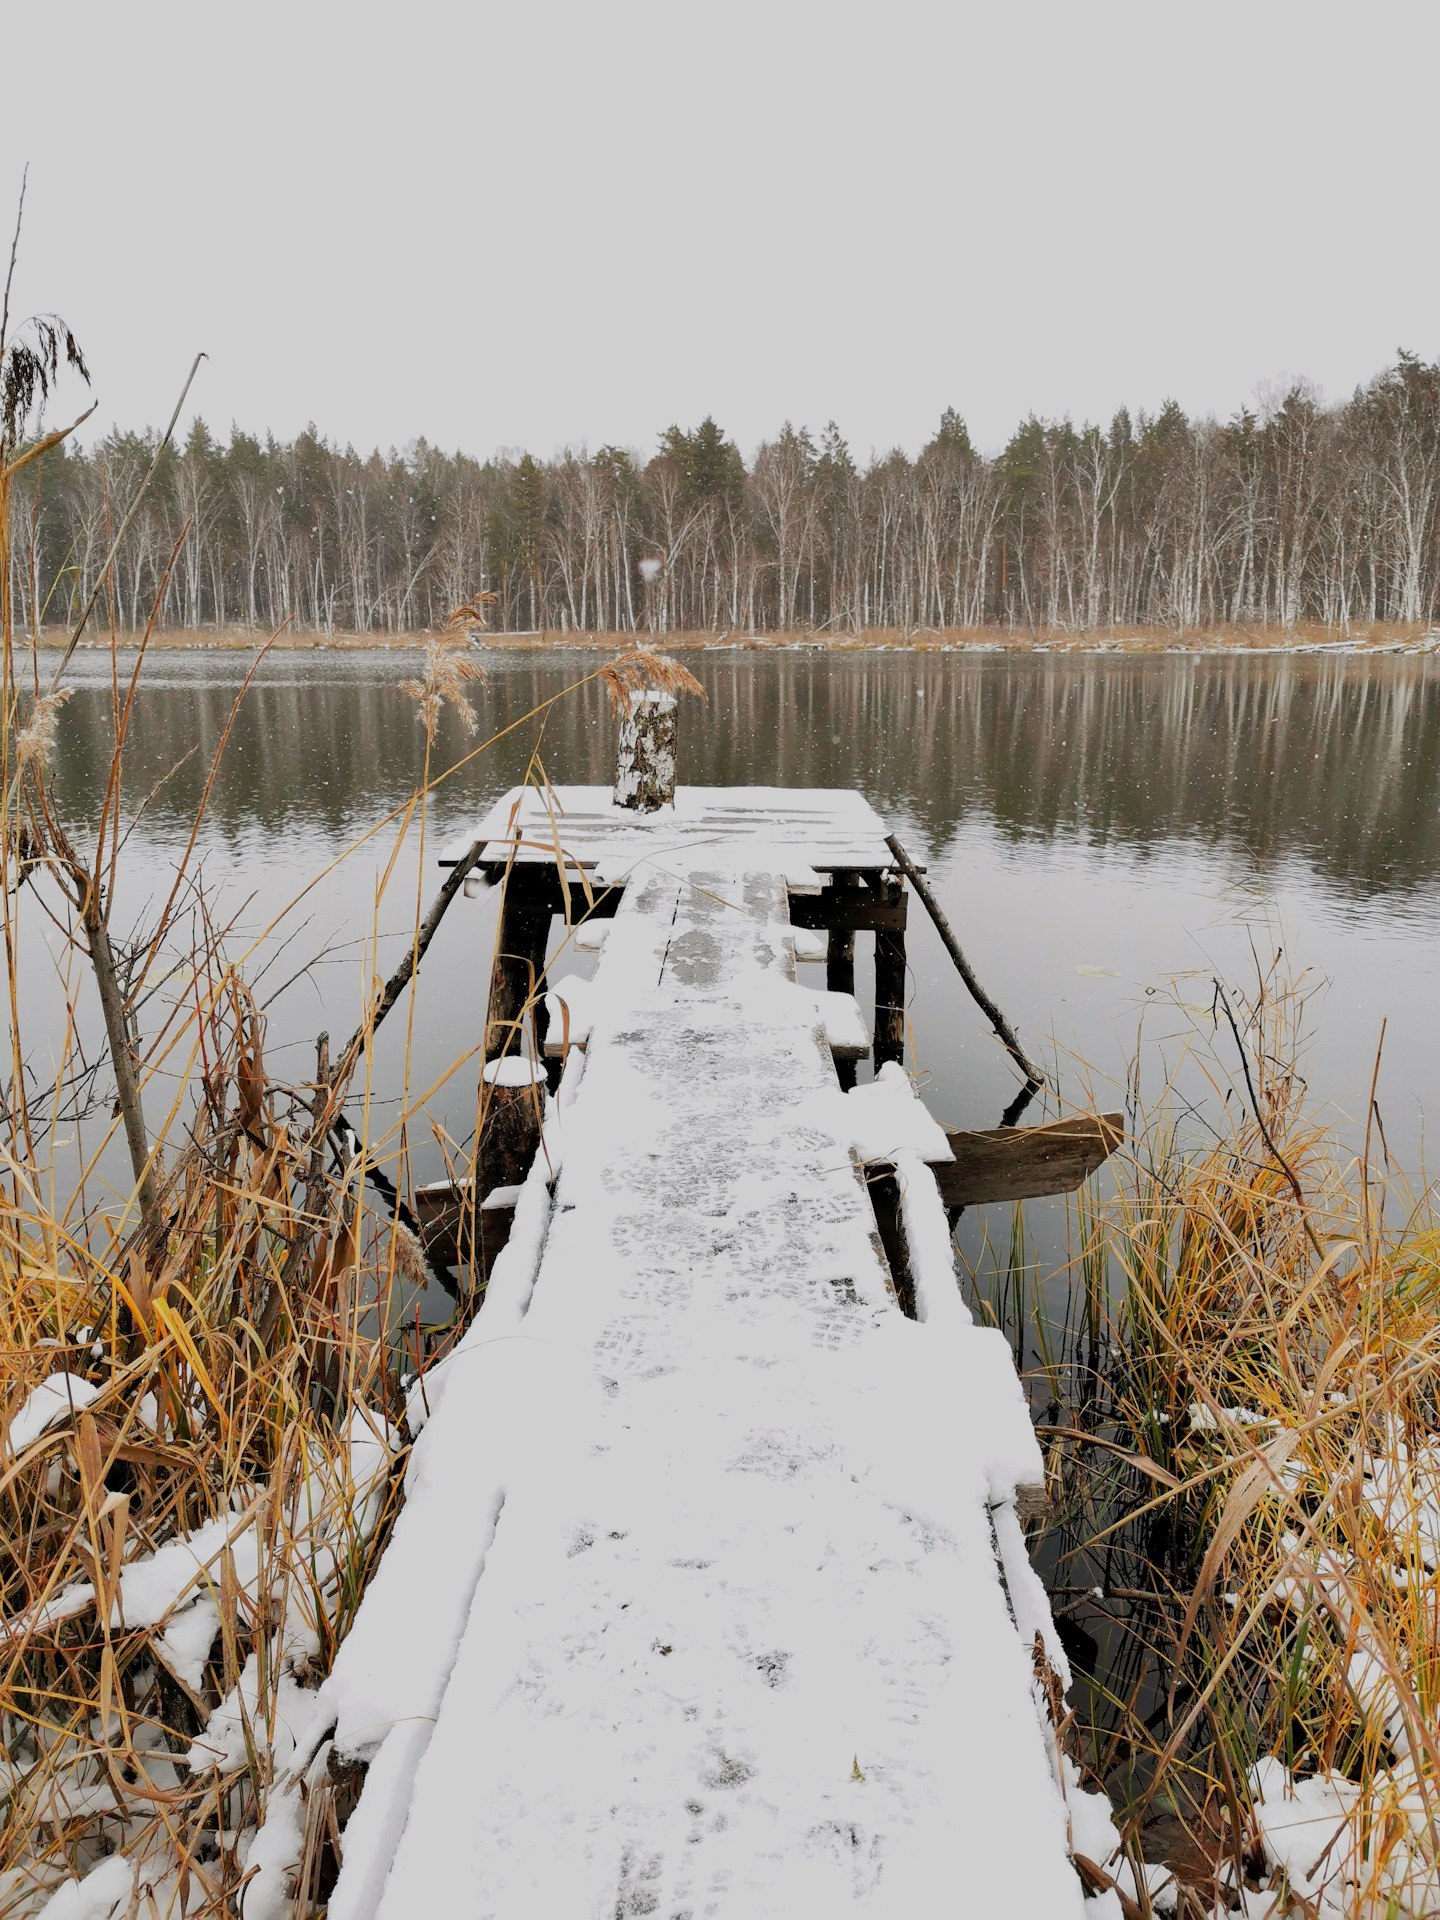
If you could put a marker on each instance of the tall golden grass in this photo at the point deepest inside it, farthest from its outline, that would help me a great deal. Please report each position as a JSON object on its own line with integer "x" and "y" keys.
{"x": 215, "y": 1352}
{"x": 1244, "y": 1462}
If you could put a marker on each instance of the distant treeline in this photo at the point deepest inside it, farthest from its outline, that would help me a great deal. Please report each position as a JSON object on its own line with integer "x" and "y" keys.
{"x": 1298, "y": 512}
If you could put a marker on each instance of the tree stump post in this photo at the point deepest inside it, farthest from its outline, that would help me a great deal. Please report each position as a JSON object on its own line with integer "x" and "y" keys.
{"x": 645, "y": 768}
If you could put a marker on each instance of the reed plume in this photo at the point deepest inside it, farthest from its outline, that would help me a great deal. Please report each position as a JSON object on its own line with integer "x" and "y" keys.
{"x": 642, "y": 671}
{"x": 447, "y": 672}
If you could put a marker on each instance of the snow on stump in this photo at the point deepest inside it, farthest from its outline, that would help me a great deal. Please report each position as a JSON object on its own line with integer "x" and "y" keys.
{"x": 645, "y": 771}
{"x": 510, "y": 1131}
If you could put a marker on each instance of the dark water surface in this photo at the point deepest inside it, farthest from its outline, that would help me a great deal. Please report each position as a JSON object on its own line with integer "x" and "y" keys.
{"x": 1106, "y": 834}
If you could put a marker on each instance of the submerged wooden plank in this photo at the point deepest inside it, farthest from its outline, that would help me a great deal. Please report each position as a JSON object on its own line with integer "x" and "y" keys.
{"x": 1026, "y": 1163}
{"x": 448, "y": 1228}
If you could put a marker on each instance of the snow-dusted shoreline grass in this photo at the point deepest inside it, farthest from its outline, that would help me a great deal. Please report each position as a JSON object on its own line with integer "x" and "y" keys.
{"x": 202, "y": 1427}
{"x": 188, "y": 1515}
{"x": 1243, "y": 1450}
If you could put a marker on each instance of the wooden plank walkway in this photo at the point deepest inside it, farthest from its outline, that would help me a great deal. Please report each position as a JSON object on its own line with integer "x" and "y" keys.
{"x": 829, "y": 846}
{"x": 708, "y": 1597}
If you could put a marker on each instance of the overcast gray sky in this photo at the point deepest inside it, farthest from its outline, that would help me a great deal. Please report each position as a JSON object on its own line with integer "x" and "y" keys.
{"x": 533, "y": 225}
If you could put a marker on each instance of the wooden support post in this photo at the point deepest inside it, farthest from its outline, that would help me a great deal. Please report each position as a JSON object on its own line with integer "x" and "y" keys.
{"x": 519, "y": 960}
{"x": 889, "y": 991}
{"x": 510, "y": 1131}
{"x": 885, "y": 1198}
{"x": 840, "y": 962}
{"x": 458, "y": 1231}
{"x": 840, "y": 972}
{"x": 540, "y": 1013}
{"x": 455, "y": 1226}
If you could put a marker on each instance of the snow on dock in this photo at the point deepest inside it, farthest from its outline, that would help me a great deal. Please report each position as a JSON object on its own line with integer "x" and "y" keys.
{"x": 708, "y": 1597}
{"x": 797, "y": 831}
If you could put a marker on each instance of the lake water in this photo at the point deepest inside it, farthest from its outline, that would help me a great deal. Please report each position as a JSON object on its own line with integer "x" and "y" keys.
{"x": 1107, "y": 834}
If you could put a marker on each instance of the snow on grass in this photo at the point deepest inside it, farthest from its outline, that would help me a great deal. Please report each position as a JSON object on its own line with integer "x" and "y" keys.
{"x": 152, "y": 1586}
{"x": 56, "y": 1398}
{"x": 337, "y": 1501}
{"x": 334, "y": 1505}
{"x": 103, "y": 1892}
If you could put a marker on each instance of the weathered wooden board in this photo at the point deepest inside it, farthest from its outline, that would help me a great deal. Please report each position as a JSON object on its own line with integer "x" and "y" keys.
{"x": 1026, "y": 1163}
{"x": 849, "y": 910}
{"x": 446, "y": 1228}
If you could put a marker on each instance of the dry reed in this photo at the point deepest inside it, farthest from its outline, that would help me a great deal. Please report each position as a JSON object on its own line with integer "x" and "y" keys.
{"x": 1243, "y": 1457}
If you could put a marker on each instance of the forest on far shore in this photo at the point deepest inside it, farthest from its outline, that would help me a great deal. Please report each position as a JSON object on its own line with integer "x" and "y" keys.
{"x": 1296, "y": 512}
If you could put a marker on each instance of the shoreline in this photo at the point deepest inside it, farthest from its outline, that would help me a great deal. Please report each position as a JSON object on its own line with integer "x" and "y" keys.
{"x": 1379, "y": 638}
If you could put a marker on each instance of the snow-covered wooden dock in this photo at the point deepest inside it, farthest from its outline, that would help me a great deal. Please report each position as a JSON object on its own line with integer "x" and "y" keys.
{"x": 828, "y": 847}
{"x": 709, "y": 1596}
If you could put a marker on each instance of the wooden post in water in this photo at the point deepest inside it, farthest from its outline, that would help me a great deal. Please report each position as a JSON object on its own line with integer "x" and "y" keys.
{"x": 840, "y": 969}
{"x": 889, "y": 988}
{"x": 511, "y": 1130}
{"x": 645, "y": 770}
{"x": 519, "y": 961}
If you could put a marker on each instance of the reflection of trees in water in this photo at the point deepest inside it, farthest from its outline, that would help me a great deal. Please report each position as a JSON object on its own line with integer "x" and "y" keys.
{"x": 1329, "y": 757}
{"x": 322, "y": 754}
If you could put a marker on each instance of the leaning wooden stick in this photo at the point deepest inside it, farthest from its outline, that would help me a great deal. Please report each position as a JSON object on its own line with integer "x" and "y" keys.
{"x": 1004, "y": 1031}
{"x": 330, "y": 1087}
{"x": 406, "y": 970}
